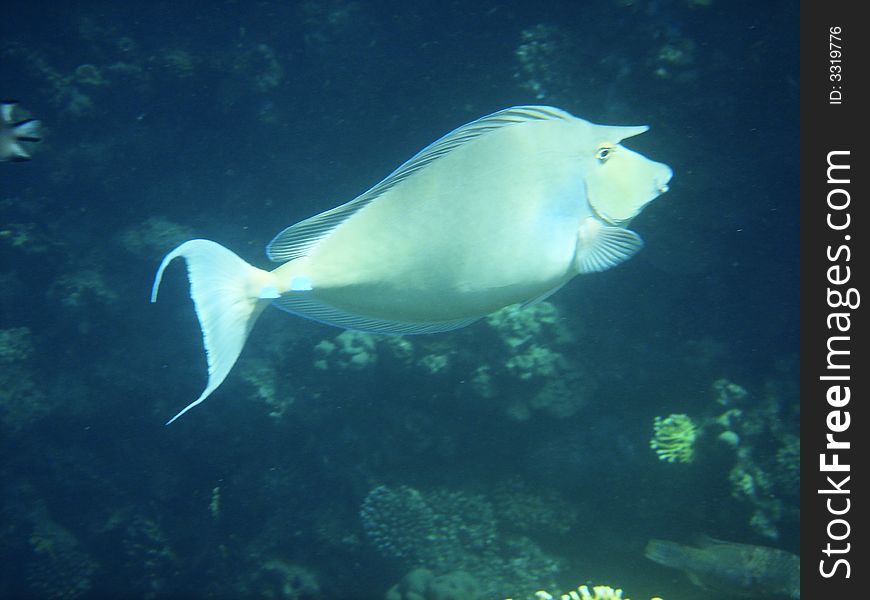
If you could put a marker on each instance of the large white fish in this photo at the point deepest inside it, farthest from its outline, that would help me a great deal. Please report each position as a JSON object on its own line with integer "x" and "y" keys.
{"x": 503, "y": 210}
{"x": 16, "y": 133}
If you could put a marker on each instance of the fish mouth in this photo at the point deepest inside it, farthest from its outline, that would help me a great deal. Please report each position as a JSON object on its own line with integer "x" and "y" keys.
{"x": 661, "y": 183}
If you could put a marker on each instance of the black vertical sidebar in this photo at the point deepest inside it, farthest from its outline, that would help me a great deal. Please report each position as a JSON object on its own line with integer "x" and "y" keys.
{"x": 834, "y": 262}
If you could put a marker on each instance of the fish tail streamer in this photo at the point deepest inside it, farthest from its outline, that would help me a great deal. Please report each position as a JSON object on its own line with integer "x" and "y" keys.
{"x": 229, "y": 295}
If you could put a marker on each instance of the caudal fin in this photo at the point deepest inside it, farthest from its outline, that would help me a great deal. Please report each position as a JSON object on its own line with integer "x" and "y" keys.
{"x": 228, "y": 295}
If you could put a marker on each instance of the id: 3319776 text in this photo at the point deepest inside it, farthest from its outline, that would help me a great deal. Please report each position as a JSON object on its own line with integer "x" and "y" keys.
{"x": 835, "y": 64}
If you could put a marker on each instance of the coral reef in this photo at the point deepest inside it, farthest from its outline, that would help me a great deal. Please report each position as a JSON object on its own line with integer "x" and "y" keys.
{"x": 536, "y": 378}
{"x": 357, "y": 350}
{"x": 25, "y": 237}
{"x": 88, "y": 74}
{"x": 284, "y": 580}
{"x": 449, "y": 531}
{"x": 435, "y": 363}
{"x": 525, "y": 371}
{"x": 518, "y": 326}
{"x": 178, "y": 61}
{"x": 82, "y": 287}
{"x": 348, "y": 350}
{"x": 675, "y": 60}
{"x": 263, "y": 378}
{"x": 542, "y": 58}
{"x": 72, "y": 91}
{"x": 533, "y": 511}
{"x": 261, "y": 65}
{"x": 148, "y": 554}
{"x": 22, "y": 401}
{"x": 154, "y": 237}
{"x": 403, "y": 524}
{"x": 15, "y": 345}
{"x": 60, "y": 569}
{"x": 328, "y": 22}
{"x": 728, "y": 393}
{"x": 535, "y": 361}
{"x": 766, "y": 470}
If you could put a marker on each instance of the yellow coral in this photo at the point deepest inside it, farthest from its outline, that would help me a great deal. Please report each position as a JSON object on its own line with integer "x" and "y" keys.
{"x": 599, "y": 592}
{"x": 674, "y": 438}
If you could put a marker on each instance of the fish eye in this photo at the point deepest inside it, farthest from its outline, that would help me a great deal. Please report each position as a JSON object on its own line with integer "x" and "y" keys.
{"x": 604, "y": 153}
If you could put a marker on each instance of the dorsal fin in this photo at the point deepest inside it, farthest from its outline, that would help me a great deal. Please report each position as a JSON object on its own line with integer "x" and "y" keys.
{"x": 297, "y": 240}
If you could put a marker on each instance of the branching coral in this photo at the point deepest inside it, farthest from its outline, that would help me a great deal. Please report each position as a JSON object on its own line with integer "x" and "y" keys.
{"x": 451, "y": 531}
{"x": 674, "y": 438}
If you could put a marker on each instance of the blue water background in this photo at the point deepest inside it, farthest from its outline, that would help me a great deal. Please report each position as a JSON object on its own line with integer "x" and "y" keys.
{"x": 233, "y": 120}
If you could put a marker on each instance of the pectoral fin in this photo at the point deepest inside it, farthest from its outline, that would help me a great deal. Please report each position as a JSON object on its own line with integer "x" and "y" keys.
{"x": 600, "y": 246}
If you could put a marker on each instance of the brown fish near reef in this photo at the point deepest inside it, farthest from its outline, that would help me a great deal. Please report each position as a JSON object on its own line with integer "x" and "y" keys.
{"x": 737, "y": 569}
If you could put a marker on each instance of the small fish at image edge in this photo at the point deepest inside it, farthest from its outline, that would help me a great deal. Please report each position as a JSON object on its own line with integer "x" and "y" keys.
{"x": 16, "y": 134}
